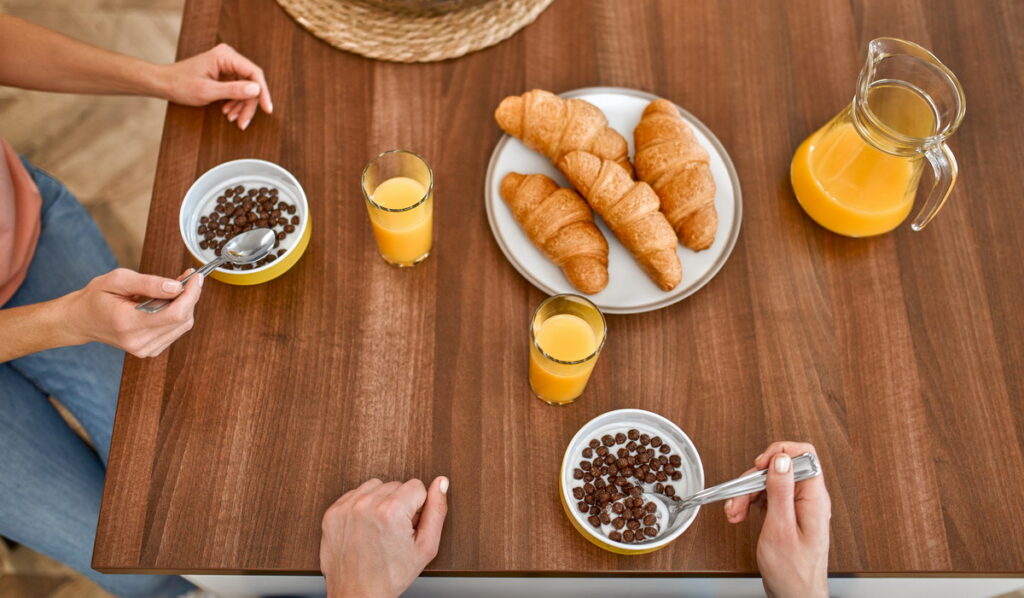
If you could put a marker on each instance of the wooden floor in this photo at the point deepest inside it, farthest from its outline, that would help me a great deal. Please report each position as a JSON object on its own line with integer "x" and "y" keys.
{"x": 104, "y": 149}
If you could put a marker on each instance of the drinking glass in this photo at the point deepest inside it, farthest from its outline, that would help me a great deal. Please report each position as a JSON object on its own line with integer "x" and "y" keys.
{"x": 398, "y": 187}
{"x": 567, "y": 333}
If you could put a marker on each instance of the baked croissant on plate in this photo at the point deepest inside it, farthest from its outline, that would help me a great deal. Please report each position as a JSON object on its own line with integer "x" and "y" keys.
{"x": 561, "y": 225}
{"x": 673, "y": 162}
{"x": 555, "y": 126}
{"x": 631, "y": 210}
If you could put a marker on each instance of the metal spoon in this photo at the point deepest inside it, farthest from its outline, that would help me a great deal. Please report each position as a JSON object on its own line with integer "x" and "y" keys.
{"x": 804, "y": 467}
{"x": 246, "y": 248}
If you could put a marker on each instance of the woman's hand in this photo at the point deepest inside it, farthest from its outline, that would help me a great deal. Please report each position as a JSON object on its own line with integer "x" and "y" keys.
{"x": 792, "y": 551}
{"x": 379, "y": 537}
{"x": 218, "y": 74}
{"x": 105, "y": 311}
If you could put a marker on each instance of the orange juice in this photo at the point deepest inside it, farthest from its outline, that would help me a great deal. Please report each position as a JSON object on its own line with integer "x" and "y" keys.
{"x": 403, "y": 229}
{"x": 560, "y": 373}
{"x": 851, "y": 187}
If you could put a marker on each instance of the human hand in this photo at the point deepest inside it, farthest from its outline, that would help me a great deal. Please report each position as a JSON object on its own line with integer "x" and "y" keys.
{"x": 105, "y": 311}
{"x": 792, "y": 551}
{"x": 379, "y": 537}
{"x": 197, "y": 81}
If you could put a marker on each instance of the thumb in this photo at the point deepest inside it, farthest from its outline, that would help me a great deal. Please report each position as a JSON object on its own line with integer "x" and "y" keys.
{"x": 233, "y": 90}
{"x": 779, "y": 488}
{"x": 435, "y": 509}
{"x": 130, "y": 284}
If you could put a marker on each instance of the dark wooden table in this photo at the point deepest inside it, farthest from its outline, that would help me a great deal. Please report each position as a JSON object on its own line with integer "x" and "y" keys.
{"x": 900, "y": 357}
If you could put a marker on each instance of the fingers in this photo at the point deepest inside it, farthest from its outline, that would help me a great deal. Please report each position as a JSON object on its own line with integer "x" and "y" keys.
{"x": 779, "y": 488}
{"x": 432, "y": 516}
{"x": 365, "y": 488}
{"x": 163, "y": 340}
{"x": 232, "y": 90}
{"x": 127, "y": 283}
{"x": 408, "y": 499}
{"x": 235, "y": 111}
{"x": 811, "y": 489}
{"x": 736, "y": 508}
{"x": 792, "y": 449}
{"x": 229, "y": 60}
{"x": 246, "y": 114}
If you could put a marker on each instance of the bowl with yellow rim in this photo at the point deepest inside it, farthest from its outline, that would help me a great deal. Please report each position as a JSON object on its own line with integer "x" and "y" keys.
{"x": 652, "y": 424}
{"x": 201, "y": 199}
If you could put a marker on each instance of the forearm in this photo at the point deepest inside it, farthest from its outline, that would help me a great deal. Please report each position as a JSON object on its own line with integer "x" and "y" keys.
{"x": 33, "y": 57}
{"x": 33, "y": 328}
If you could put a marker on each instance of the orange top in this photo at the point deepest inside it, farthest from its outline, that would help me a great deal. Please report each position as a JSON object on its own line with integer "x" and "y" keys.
{"x": 19, "y": 222}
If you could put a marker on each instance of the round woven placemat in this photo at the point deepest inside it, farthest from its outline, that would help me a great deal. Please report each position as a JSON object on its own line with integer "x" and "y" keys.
{"x": 375, "y": 32}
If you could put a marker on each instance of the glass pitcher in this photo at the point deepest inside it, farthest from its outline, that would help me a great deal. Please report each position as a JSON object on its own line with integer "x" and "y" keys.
{"x": 858, "y": 175}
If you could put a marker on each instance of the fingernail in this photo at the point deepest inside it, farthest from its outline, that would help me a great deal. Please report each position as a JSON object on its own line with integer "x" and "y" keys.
{"x": 758, "y": 458}
{"x": 172, "y": 286}
{"x": 270, "y": 106}
{"x": 728, "y": 505}
{"x": 252, "y": 89}
{"x": 232, "y": 117}
{"x": 782, "y": 463}
{"x": 443, "y": 485}
{"x": 202, "y": 279}
{"x": 246, "y": 124}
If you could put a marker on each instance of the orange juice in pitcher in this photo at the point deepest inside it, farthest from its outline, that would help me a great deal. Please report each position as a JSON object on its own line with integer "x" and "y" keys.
{"x": 858, "y": 175}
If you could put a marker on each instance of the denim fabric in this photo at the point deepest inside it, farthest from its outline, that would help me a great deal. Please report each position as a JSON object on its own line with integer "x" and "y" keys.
{"x": 50, "y": 481}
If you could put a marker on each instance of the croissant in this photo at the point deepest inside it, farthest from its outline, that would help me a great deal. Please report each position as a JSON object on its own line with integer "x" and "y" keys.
{"x": 561, "y": 225}
{"x": 673, "y": 162}
{"x": 555, "y": 126}
{"x": 631, "y": 210}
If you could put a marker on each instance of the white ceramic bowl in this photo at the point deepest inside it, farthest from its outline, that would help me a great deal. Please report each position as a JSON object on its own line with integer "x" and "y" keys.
{"x": 201, "y": 199}
{"x": 649, "y": 423}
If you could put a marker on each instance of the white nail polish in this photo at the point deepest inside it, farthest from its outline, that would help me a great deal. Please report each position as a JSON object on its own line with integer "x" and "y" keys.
{"x": 443, "y": 485}
{"x": 172, "y": 286}
{"x": 782, "y": 463}
{"x": 728, "y": 505}
{"x": 245, "y": 125}
{"x": 252, "y": 89}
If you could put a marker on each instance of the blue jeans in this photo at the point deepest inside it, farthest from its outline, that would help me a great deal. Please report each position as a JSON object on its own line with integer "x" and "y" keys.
{"x": 50, "y": 481}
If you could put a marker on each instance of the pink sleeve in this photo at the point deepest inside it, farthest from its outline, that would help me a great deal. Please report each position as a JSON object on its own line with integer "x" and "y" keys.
{"x": 19, "y": 219}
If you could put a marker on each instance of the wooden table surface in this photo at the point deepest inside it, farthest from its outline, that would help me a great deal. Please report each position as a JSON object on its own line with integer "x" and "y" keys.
{"x": 900, "y": 357}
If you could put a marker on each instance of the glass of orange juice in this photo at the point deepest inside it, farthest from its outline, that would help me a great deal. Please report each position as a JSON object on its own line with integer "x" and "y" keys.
{"x": 566, "y": 336}
{"x": 398, "y": 186}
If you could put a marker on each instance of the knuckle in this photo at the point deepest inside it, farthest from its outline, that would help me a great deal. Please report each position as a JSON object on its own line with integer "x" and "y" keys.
{"x": 390, "y": 510}
{"x": 333, "y": 514}
{"x": 118, "y": 275}
{"x": 181, "y": 313}
{"x": 364, "y": 505}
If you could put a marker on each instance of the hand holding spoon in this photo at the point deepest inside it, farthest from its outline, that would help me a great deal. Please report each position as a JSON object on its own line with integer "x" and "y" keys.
{"x": 805, "y": 466}
{"x": 246, "y": 248}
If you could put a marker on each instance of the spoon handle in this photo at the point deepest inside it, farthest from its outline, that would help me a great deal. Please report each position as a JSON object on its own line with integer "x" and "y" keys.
{"x": 152, "y": 306}
{"x": 804, "y": 466}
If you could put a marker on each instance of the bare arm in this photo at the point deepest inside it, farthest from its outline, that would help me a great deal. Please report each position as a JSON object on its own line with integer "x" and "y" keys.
{"x": 34, "y": 328}
{"x": 33, "y": 57}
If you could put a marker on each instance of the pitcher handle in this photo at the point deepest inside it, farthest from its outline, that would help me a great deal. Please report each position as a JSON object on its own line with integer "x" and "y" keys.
{"x": 945, "y": 170}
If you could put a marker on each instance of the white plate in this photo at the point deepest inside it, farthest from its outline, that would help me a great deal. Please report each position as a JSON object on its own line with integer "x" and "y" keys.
{"x": 629, "y": 290}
